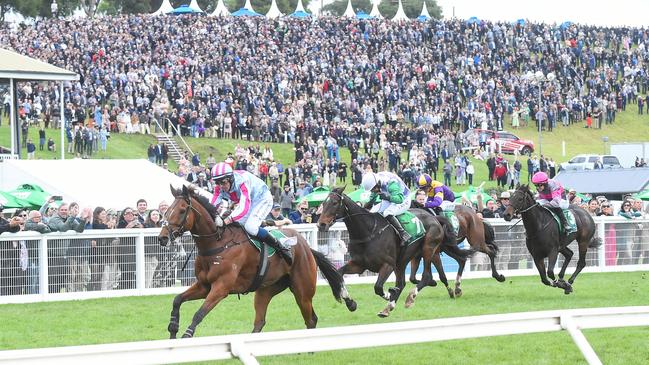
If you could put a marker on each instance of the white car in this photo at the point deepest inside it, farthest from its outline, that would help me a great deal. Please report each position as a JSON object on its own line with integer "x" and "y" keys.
{"x": 587, "y": 162}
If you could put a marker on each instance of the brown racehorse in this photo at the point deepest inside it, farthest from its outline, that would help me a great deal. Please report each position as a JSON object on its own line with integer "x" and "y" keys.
{"x": 227, "y": 263}
{"x": 481, "y": 238}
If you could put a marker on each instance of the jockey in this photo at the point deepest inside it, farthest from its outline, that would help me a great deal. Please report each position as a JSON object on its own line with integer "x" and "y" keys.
{"x": 253, "y": 200}
{"x": 440, "y": 197}
{"x": 550, "y": 194}
{"x": 395, "y": 198}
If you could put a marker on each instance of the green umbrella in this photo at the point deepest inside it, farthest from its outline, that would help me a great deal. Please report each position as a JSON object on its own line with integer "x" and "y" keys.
{"x": 9, "y": 201}
{"x": 644, "y": 195}
{"x": 471, "y": 195}
{"x": 360, "y": 195}
{"x": 318, "y": 195}
{"x": 33, "y": 194}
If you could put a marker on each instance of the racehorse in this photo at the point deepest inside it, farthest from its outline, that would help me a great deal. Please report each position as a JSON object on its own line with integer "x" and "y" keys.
{"x": 481, "y": 238}
{"x": 374, "y": 244}
{"x": 543, "y": 238}
{"x": 228, "y": 263}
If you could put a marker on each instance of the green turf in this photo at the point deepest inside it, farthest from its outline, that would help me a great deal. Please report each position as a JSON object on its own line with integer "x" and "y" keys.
{"x": 146, "y": 318}
{"x": 628, "y": 127}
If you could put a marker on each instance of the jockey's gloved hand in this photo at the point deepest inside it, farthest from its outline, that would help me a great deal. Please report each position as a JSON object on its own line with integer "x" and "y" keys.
{"x": 385, "y": 196}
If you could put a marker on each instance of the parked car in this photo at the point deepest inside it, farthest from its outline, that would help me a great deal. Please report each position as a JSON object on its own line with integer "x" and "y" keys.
{"x": 507, "y": 141}
{"x": 587, "y": 162}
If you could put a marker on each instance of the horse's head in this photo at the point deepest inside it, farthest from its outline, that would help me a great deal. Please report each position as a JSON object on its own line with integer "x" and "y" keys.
{"x": 520, "y": 201}
{"x": 179, "y": 218}
{"x": 332, "y": 208}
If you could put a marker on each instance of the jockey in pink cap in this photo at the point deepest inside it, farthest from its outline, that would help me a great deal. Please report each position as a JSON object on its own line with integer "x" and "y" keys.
{"x": 550, "y": 194}
{"x": 253, "y": 200}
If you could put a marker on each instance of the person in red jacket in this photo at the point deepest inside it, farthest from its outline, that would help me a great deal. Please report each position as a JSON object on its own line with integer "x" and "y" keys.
{"x": 501, "y": 174}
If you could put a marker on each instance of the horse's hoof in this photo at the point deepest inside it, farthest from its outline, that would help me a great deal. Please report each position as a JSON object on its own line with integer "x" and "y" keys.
{"x": 414, "y": 281}
{"x": 458, "y": 292}
{"x": 384, "y": 314}
{"x": 351, "y": 304}
{"x": 172, "y": 336}
{"x": 433, "y": 283}
{"x": 451, "y": 293}
{"x": 500, "y": 278}
{"x": 410, "y": 301}
{"x": 567, "y": 289}
{"x": 187, "y": 335}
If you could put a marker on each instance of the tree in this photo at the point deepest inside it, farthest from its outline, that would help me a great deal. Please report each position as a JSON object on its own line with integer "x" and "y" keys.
{"x": 388, "y": 8}
{"x": 262, "y": 6}
{"x": 42, "y": 8}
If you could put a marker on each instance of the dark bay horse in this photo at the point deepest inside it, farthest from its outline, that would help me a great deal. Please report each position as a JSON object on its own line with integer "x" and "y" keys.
{"x": 227, "y": 263}
{"x": 544, "y": 240}
{"x": 480, "y": 236}
{"x": 374, "y": 244}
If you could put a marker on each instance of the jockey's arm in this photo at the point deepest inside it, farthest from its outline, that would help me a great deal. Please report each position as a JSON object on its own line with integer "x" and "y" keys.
{"x": 396, "y": 193}
{"x": 217, "y": 198}
{"x": 370, "y": 203}
{"x": 435, "y": 200}
{"x": 243, "y": 207}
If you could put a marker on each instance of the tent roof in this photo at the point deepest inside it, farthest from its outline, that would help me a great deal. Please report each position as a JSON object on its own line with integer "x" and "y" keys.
{"x": 400, "y": 15}
{"x": 273, "y": 12}
{"x": 220, "y": 10}
{"x": 194, "y": 6}
{"x": 299, "y": 7}
{"x": 424, "y": 11}
{"x": 17, "y": 66}
{"x": 349, "y": 12}
{"x": 606, "y": 181}
{"x": 165, "y": 8}
{"x": 375, "y": 10}
{"x": 114, "y": 184}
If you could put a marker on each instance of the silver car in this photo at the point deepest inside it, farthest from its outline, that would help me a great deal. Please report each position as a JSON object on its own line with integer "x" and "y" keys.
{"x": 587, "y": 162}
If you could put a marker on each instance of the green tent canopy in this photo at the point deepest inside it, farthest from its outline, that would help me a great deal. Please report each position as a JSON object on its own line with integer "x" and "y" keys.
{"x": 644, "y": 195}
{"x": 32, "y": 194}
{"x": 318, "y": 195}
{"x": 360, "y": 195}
{"x": 471, "y": 195}
{"x": 9, "y": 201}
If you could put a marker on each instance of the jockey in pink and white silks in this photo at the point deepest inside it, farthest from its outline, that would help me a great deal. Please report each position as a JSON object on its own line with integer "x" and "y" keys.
{"x": 550, "y": 195}
{"x": 394, "y": 195}
{"x": 253, "y": 203}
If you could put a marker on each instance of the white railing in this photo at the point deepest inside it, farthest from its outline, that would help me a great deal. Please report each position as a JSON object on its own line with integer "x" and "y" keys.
{"x": 8, "y": 156}
{"x": 247, "y": 347}
{"x": 120, "y": 262}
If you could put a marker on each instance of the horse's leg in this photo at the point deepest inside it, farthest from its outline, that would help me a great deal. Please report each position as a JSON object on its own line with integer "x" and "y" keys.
{"x": 303, "y": 286}
{"x": 567, "y": 254}
{"x": 382, "y": 277}
{"x": 581, "y": 263}
{"x": 217, "y": 292}
{"x": 552, "y": 262}
{"x": 262, "y": 298}
{"x": 540, "y": 266}
{"x": 477, "y": 241}
{"x": 414, "y": 266}
{"x": 395, "y": 292}
{"x": 196, "y": 291}
{"x": 437, "y": 261}
{"x": 426, "y": 277}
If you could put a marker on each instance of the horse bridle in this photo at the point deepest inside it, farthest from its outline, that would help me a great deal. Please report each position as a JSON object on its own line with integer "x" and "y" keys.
{"x": 519, "y": 211}
{"x": 175, "y": 233}
{"x": 346, "y": 210}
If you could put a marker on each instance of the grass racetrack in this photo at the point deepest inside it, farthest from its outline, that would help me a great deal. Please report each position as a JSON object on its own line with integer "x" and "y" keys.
{"x": 145, "y": 318}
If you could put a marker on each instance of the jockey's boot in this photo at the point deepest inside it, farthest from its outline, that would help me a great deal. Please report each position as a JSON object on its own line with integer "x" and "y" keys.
{"x": 562, "y": 221}
{"x": 284, "y": 252}
{"x": 405, "y": 236}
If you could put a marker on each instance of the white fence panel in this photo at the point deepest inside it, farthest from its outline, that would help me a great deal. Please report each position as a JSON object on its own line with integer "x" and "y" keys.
{"x": 248, "y": 346}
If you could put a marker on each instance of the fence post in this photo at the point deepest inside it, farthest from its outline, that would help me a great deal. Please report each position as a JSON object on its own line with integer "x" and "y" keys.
{"x": 43, "y": 269}
{"x": 601, "y": 252}
{"x": 140, "y": 282}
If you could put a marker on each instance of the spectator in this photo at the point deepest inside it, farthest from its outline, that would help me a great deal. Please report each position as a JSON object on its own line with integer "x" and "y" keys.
{"x": 141, "y": 213}
{"x": 302, "y": 214}
{"x": 275, "y": 217}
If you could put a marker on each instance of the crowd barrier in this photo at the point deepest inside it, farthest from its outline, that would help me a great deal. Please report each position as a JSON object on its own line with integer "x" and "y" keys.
{"x": 122, "y": 262}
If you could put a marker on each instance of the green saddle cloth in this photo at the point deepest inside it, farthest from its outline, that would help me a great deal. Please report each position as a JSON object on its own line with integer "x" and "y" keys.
{"x": 450, "y": 215}
{"x": 412, "y": 225}
{"x": 571, "y": 224}
{"x": 271, "y": 251}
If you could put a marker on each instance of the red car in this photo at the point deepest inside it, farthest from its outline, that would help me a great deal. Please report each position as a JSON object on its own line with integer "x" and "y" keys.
{"x": 507, "y": 141}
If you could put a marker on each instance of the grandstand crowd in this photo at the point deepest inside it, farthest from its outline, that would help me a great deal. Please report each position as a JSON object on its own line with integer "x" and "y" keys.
{"x": 323, "y": 85}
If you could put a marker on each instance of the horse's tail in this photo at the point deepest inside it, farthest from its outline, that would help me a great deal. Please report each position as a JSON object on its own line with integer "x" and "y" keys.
{"x": 595, "y": 242}
{"x": 490, "y": 237}
{"x": 450, "y": 238}
{"x": 334, "y": 278}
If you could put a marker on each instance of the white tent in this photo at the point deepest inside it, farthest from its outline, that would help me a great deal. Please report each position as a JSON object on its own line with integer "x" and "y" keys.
{"x": 400, "y": 15}
{"x": 349, "y": 12}
{"x": 220, "y": 10}
{"x": 273, "y": 12}
{"x": 299, "y": 7}
{"x": 248, "y": 5}
{"x": 424, "y": 11}
{"x": 112, "y": 184}
{"x": 165, "y": 7}
{"x": 194, "y": 6}
{"x": 375, "y": 10}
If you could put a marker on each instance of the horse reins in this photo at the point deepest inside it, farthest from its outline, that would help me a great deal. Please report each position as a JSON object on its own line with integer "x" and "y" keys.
{"x": 349, "y": 215}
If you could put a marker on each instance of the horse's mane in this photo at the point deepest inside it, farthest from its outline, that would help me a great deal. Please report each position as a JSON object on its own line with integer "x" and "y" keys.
{"x": 193, "y": 191}
{"x": 526, "y": 189}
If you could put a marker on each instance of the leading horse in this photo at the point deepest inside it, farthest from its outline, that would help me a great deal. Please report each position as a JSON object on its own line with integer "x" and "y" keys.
{"x": 544, "y": 239}
{"x": 227, "y": 263}
{"x": 374, "y": 244}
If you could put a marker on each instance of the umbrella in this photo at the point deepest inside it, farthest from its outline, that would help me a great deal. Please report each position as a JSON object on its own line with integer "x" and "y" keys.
{"x": 318, "y": 195}
{"x": 363, "y": 15}
{"x": 520, "y": 22}
{"x": 644, "y": 195}
{"x": 245, "y": 12}
{"x": 565, "y": 24}
{"x": 471, "y": 195}
{"x": 473, "y": 20}
{"x": 10, "y": 201}
{"x": 360, "y": 195}
{"x": 300, "y": 14}
{"x": 423, "y": 18}
{"x": 183, "y": 9}
{"x": 32, "y": 194}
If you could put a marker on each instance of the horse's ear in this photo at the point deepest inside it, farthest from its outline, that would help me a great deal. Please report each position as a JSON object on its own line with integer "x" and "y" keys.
{"x": 174, "y": 192}
{"x": 339, "y": 190}
{"x": 185, "y": 191}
